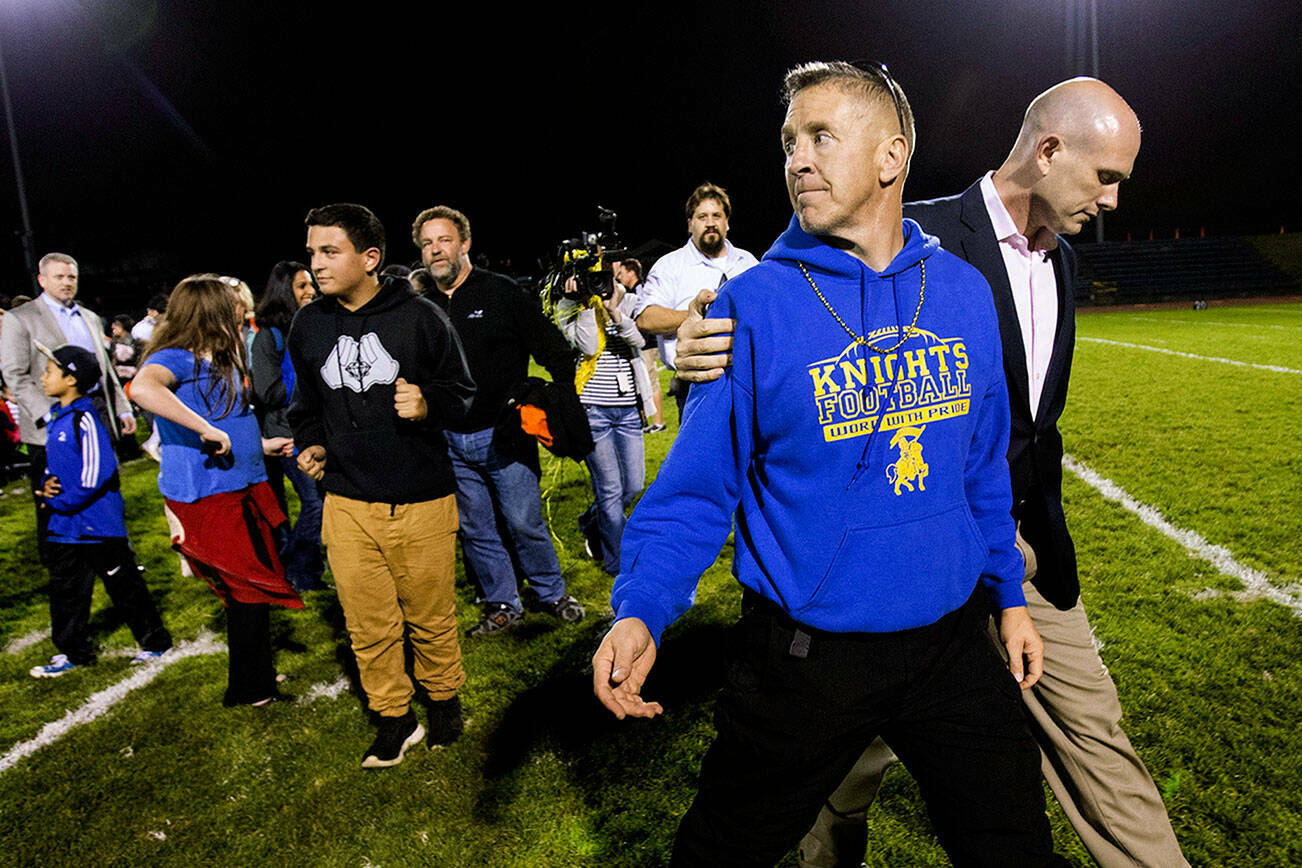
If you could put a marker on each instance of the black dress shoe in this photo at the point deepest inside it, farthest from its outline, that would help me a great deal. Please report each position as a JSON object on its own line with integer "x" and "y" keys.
{"x": 259, "y": 702}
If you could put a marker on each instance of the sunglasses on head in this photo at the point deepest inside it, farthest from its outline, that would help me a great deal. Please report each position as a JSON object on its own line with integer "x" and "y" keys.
{"x": 883, "y": 75}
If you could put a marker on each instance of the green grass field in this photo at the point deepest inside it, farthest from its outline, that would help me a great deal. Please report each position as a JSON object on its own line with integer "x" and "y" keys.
{"x": 1211, "y": 682}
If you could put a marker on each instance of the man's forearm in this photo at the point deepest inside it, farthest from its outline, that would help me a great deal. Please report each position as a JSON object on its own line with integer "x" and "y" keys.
{"x": 660, "y": 320}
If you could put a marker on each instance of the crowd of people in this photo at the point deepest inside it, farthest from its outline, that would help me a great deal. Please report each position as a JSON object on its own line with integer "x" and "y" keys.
{"x": 894, "y": 605}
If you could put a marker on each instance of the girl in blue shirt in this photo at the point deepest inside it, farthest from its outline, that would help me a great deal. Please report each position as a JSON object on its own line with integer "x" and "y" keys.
{"x": 222, "y": 513}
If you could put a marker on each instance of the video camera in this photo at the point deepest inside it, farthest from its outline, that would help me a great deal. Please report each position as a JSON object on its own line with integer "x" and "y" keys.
{"x": 587, "y": 259}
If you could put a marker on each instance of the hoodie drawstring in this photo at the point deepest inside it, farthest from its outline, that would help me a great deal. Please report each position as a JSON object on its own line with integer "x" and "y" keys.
{"x": 862, "y": 464}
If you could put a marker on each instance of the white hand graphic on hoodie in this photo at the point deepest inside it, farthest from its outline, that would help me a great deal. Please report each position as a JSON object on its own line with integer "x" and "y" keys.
{"x": 359, "y": 365}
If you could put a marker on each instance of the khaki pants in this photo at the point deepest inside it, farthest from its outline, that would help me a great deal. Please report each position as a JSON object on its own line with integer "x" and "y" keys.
{"x": 393, "y": 566}
{"x": 1102, "y": 785}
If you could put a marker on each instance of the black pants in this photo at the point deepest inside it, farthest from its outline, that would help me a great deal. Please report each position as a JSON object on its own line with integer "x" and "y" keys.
{"x": 73, "y": 568}
{"x": 35, "y": 473}
{"x": 251, "y": 675}
{"x": 799, "y": 706}
{"x": 679, "y": 389}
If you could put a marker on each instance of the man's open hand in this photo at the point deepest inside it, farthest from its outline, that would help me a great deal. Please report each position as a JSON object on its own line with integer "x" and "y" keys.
{"x": 312, "y": 462}
{"x": 409, "y": 401}
{"x": 51, "y": 487}
{"x": 620, "y": 667}
{"x": 704, "y": 345}
{"x": 1024, "y": 645}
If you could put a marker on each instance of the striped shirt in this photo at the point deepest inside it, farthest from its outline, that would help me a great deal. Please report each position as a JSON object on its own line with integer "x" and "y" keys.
{"x": 613, "y": 383}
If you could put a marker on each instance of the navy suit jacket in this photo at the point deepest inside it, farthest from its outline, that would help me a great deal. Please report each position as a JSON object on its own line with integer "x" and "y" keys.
{"x": 1035, "y": 447}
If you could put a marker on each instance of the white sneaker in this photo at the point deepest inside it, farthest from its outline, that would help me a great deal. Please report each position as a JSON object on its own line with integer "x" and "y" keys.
{"x": 57, "y": 666}
{"x": 148, "y": 656}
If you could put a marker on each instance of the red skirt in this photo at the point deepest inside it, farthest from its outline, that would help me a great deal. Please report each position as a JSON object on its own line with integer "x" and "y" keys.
{"x": 228, "y": 539}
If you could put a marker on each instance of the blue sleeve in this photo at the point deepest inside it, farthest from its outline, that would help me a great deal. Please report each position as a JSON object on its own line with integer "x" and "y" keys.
{"x": 179, "y": 362}
{"x": 96, "y": 464}
{"x": 681, "y": 523}
{"x": 988, "y": 486}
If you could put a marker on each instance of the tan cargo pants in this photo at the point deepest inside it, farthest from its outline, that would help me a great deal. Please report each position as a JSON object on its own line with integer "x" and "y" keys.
{"x": 393, "y": 566}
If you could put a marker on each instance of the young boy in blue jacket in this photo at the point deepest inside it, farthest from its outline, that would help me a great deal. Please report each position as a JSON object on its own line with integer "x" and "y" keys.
{"x": 87, "y": 533}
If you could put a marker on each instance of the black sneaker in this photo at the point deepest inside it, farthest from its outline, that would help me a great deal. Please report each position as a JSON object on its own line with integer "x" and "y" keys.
{"x": 566, "y": 608}
{"x": 591, "y": 534}
{"x": 498, "y": 617}
{"x": 445, "y": 722}
{"x": 395, "y": 736}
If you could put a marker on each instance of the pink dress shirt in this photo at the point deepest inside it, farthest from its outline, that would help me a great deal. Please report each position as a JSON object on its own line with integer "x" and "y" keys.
{"x": 1035, "y": 290}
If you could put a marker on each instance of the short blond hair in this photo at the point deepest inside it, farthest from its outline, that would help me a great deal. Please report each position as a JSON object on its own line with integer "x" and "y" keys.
{"x": 49, "y": 258}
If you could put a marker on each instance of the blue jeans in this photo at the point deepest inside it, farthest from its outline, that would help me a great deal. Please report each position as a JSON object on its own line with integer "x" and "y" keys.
{"x": 302, "y": 554}
{"x": 486, "y": 480}
{"x": 618, "y": 470}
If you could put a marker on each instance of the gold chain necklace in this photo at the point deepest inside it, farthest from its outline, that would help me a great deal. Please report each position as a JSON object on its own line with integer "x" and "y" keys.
{"x": 860, "y": 339}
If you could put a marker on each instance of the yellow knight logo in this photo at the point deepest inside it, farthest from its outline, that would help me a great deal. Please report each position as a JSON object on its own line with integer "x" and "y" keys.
{"x": 910, "y": 467}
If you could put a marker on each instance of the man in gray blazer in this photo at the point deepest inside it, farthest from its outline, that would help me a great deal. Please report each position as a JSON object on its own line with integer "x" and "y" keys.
{"x": 54, "y": 318}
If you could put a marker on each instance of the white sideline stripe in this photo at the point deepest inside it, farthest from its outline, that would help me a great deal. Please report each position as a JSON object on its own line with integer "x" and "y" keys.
{"x": 327, "y": 689}
{"x": 1255, "y": 583}
{"x": 1275, "y": 368}
{"x": 98, "y": 704}
{"x": 22, "y": 643}
{"x": 1237, "y": 325}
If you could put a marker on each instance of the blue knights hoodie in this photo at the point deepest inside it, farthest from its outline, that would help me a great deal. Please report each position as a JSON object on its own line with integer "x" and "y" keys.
{"x": 78, "y": 451}
{"x": 871, "y": 490}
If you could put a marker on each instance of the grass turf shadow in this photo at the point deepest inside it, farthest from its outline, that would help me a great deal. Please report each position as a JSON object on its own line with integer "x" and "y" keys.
{"x": 610, "y": 762}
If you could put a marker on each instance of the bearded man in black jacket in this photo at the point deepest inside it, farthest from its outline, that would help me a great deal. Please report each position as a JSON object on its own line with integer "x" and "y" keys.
{"x": 501, "y": 326}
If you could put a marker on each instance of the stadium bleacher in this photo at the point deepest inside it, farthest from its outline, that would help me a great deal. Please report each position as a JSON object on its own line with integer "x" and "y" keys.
{"x": 1177, "y": 269}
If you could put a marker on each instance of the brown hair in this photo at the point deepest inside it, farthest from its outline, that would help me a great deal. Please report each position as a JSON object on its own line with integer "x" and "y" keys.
{"x": 634, "y": 266}
{"x": 441, "y": 212}
{"x": 709, "y": 191}
{"x": 201, "y": 319}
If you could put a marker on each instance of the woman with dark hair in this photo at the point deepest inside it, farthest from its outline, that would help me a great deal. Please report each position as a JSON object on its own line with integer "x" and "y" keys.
{"x": 123, "y": 348}
{"x": 288, "y": 288}
{"x": 222, "y": 513}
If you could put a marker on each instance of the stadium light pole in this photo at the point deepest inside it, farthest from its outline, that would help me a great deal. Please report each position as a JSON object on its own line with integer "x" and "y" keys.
{"x": 1094, "y": 65}
{"x": 29, "y": 248}
{"x": 1074, "y": 38}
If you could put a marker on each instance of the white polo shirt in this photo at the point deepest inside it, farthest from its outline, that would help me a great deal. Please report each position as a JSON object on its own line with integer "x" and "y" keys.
{"x": 677, "y": 277}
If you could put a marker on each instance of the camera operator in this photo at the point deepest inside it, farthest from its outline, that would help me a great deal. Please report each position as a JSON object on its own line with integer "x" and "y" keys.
{"x": 612, "y": 386}
{"x": 628, "y": 273}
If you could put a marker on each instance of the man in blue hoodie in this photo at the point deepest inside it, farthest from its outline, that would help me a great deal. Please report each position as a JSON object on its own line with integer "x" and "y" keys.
{"x": 1077, "y": 143}
{"x": 859, "y": 436}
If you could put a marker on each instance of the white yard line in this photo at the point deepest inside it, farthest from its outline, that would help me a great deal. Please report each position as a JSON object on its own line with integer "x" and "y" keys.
{"x": 327, "y": 689}
{"x": 1255, "y": 583}
{"x": 22, "y": 643}
{"x": 1274, "y": 368}
{"x": 1237, "y": 325}
{"x": 100, "y": 703}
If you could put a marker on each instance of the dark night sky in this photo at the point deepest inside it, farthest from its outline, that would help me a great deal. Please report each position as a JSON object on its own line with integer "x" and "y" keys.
{"x": 202, "y": 132}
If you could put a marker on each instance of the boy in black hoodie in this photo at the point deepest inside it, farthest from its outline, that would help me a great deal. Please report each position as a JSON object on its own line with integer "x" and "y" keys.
{"x": 380, "y": 372}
